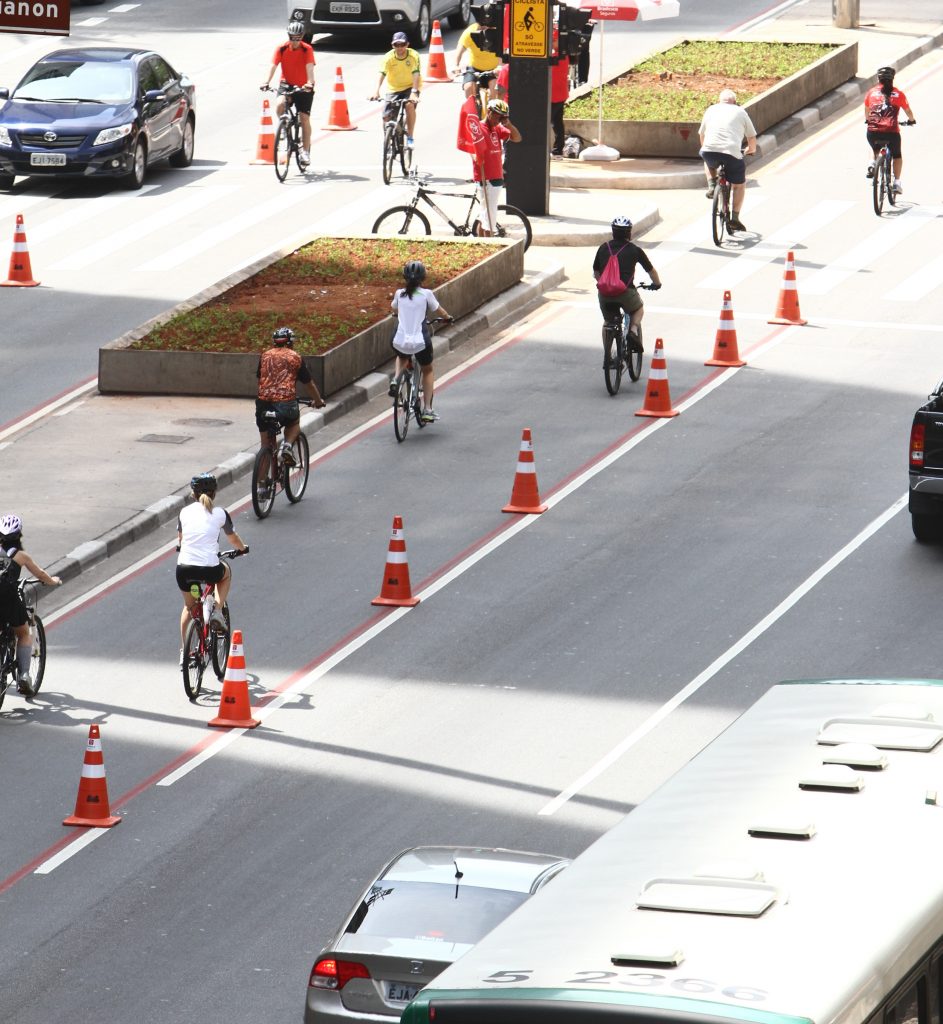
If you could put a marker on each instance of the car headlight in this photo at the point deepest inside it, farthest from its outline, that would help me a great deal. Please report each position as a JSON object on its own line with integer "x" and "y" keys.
{"x": 112, "y": 134}
{"x": 5, "y": 137}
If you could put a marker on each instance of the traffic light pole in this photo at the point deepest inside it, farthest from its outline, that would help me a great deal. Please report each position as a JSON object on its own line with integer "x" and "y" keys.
{"x": 527, "y": 163}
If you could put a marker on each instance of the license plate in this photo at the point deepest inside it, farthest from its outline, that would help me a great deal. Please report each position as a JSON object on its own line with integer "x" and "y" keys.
{"x": 47, "y": 159}
{"x": 344, "y": 8}
{"x": 398, "y": 993}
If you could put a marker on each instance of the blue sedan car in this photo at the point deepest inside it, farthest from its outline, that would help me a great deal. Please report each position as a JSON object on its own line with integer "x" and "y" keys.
{"x": 97, "y": 112}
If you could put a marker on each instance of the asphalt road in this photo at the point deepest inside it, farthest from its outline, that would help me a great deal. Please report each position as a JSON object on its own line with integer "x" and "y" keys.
{"x": 534, "y": 695}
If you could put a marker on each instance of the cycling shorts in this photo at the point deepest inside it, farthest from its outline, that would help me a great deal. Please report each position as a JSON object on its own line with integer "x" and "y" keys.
{"x": 629, "y": 300}
{"x": 390, "y": 101}
{"x": 424, "y": 358}
{"x": 302, "y": 101}
{"x": 12, "y": 608}
{"x": 483, "y": 78}
{"x": 877, "y": 139}
{"x": 187, "y": 574}
{"x": 734, "y": 166}
{"x": 288, "y": 413}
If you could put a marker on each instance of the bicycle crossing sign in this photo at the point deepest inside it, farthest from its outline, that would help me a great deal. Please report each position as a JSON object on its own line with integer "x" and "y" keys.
{"x": 530, "y": 28}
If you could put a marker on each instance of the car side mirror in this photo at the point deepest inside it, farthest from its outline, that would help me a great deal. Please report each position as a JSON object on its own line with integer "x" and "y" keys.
{"x": 4, "y": 94}
{"x": 154, "y": 96}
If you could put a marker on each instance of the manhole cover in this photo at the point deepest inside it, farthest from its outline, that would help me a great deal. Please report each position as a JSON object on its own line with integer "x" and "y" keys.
{"x": 166, "y": 438}
{"x": 199, "y": 422}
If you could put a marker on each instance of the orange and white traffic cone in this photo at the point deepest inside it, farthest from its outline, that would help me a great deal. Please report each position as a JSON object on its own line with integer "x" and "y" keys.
{"x": 657, "y": 395}
{"x": 91, "y": 804}
{"x": 234, "y": 710}
{"x": 525, "y": 497}
{"x": 436, "y": 71}
{"x": 338, "y": 119}
{"x": 265, "y": 147}
{"x": 726, "y": 351}
{"x": 21, "y": 273}
{"x": 396, "y": 589}
{"x": 787, "y": 308}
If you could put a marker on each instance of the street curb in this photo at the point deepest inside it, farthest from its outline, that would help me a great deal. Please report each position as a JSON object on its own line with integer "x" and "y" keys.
{"x": 511, "y": 304}
{"x": 553, "y": 231}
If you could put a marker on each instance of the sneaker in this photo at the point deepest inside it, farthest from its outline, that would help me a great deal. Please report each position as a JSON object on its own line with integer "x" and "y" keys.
{"x": 635, "y": 343}
{"x": 429, "y": 416}
{"x": 869, "y": 173}
{"x": 898, "y": 188}
{"x": 287, "y": 455}
{"x": 409, "y": 142}
{"x": 392, "y": 390}
{"x": 180, "y": 662}
{"x": 217, "y": 618}
{"x": 710, "y": 190}
{"x": 24, "y": 684}
{"x": 736, "y": 224}
{"x": 305, "y": 156}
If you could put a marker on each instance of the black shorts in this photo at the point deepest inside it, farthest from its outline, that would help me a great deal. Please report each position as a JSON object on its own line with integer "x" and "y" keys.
{"x": 391, "y": 101}
{"x": 877, "y": 139}
{"x": 187, "y": 574}
{"x": 288, "y": 413}
{"x": 734, "y": 167}
{"x": 424, "y": 358}
{"x": 483, "y": 78}
{"x": 302, "y": 101}
{"x": 12, "y": 609}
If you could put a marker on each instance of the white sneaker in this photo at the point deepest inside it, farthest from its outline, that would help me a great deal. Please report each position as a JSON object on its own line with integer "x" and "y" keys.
{"x": 898, "y": 188}
{"x": 180, "y": 661}
{"x": 217, "y": 617}
{"x": 305, "y": 157}
{"x": 24, "y": 684}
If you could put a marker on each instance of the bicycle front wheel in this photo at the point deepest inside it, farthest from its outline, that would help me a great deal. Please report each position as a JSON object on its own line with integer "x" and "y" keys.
{"x": 263, "y": 482}
{"x": 219, "y": 644}
{"x": 402, "y": 220}
{"x": 718, "y": 214}
{"x": 402, "y": 405}
{"x": 37, "y": 661}
{"x": 878, "y": 185}
{"x": 389, "y": 152}
{"x": 282, "y": 149}
{"x": 633, "y": 353}
{"x": 611, "y": 359}
{"x": 194, "y": 654}
{"x": 296, "y": 477}
{"x": 298, "y": 149}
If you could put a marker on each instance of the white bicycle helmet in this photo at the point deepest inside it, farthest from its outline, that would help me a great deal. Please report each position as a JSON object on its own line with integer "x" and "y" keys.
{"x": 10, "y": 524}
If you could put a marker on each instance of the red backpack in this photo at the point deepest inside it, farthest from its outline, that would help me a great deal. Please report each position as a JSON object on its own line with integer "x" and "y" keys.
{"x": 610, "y": 283}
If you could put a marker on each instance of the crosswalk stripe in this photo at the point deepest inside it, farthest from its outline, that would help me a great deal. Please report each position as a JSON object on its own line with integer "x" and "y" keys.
{"x": 917, "y": 285}
{"x": 697, "y": 234}
{"x": 80, "y": 211}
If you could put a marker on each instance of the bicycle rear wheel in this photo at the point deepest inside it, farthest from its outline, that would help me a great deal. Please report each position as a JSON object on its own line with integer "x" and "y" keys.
{"x": 719, "y": 214}
{"x": 296, "y": 478}
{"x": 633, "y": 355}
{"x": 389, "y": 151}
{"x": 37, "y": 661}
{"x": 889, "y": 182}
{"x": 611, "y": 358}
{"x": 282, "y": 149}
{"x": 878, "y": 185}
{"x": 401, "y": 220}
{"x": 263, "y": 482}
{"x": 219, "y": 644}
{"x": 417, "y": 397}
{"x": 402, "y": 405}
{"x": 194, "y": 654}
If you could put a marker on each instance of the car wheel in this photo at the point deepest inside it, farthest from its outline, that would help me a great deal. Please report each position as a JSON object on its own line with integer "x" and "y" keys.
{"x": 462, "y": 16}
{"x": 184, "y": 155}
{"x": 927, "y": 529}
{"x": 6, "y": 182}
{"x": 134, "y": 179}
{"x": 422, "y": 30}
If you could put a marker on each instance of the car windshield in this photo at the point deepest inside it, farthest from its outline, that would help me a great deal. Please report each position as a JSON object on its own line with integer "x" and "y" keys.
{"x": 89, "y": 81}
{"x": 431, "y": 910}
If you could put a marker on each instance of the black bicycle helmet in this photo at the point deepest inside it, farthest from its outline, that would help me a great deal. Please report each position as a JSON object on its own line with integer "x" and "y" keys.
{"x": 415, "y": 270}
{"x": 203, "y": 483}
{"x": 283, "y": 336}
{"x": 886, "y": 74}
{"x": 295, "y": 28}
{"x": 622, "y": 228}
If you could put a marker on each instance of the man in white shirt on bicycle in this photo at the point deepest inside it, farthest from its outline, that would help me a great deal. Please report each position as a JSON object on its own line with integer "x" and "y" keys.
{"x": 723, "y": 129}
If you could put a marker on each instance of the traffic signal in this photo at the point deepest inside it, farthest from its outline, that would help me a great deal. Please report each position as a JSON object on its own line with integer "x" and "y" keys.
{"x": 490, "y": 18}
{"x": 572, "y": 27}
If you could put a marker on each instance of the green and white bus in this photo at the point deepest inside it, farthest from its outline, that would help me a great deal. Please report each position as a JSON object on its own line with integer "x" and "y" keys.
{"x": 790, "y": 873}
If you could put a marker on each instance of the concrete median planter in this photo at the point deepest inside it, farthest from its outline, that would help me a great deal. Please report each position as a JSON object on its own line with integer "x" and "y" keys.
{"x": 126, "y": 370}
{"x": 680, "y": 139}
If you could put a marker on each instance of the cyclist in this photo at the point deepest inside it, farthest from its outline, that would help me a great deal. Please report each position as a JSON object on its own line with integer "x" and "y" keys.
{"x": 280, "y": 369}
{"x": 723, "y": 129}
{"x": 296, "y": 58}
{"x": 412, "y": 305}
{"x": 628, "y": 255}
{"x": 486, "y": 138}
{"x": 400, "y": 68}
{"x": 882, "y": 107}
{"x": 198, "y": 527}
{"x": 481, "y": 64}
{"x": 13, "y": 559}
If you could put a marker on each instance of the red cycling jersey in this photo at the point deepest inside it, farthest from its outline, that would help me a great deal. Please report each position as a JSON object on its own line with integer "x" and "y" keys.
{"x": 881, "y": 112}
{"x": 294, "y": 63}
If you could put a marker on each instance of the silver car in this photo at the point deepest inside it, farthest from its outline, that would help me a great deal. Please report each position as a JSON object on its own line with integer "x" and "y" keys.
{"x": 427, "y": 907}
{"x": 383, "y": 17}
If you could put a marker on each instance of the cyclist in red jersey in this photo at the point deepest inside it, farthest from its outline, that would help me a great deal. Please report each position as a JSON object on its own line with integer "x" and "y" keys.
{"x": 296, "y": 59}
{"x": 882, "y": 107}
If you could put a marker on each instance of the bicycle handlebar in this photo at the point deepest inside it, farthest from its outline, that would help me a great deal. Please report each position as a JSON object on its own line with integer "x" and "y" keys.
{"x": 233, "y": 553}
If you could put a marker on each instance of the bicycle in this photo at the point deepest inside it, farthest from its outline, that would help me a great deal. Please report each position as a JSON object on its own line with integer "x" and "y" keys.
{"x": 615, "y": 357}
{"x": 405, "y": 220}
{"x": 288, "y": 133}
{"x": 394, "y": 140}
{"x": 482, "y": 89}
{"x": 720, "y": 207}
{"x": 272, "y": 472}
{"x": 409, "y": 394}
{"x": 204, "y": 638}
{"x": 37, "y": 666}
{"x": 882, "y": 181}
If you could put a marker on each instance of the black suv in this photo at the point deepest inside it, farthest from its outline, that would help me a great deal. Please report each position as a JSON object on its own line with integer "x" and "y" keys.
{"x": 926, "y": 468}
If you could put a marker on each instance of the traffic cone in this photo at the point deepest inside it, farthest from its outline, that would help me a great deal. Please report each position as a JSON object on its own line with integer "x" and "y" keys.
{"x": 21, "y": 273}
{"x": 787, "y": 309}
{"x": 396, "y": 589}
{"x": 726, "y": 352}
{"x": 436, "y": 70}
{"x": 338, "y": 120}
{"x": 91, "y": 804}
{"x": 657, "y": 394}
{"x": 234, "y": 710}
{"x": 265, "y": 148}
{"x": 525, "y": 497}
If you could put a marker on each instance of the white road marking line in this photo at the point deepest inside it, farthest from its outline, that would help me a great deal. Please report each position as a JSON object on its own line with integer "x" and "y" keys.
{"x": 11, "y": 205}
{"x": 89, "y": 23}
{"x": 184, "y": 202}
{"x": 68, "y": 409}
{"x": 697, "y": 235}
{"x": 122, "y": 8}
{"x": 765, "y": 16}
{"x": 74, "y": 214}
{"x": 721, "y": 662}
{"x": 45, "y": 410}
{"x": 917, "y": 285}
{"x": 71, "y": 850}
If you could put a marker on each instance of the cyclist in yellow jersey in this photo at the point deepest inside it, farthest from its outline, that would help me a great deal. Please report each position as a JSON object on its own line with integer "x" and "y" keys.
{"x": 400, "y": 68}
{"x": 479, "y": 61}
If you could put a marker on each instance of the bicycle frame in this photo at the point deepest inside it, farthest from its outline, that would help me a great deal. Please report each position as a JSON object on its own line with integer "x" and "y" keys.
{"x": 465, "y": 228}
{"x": 8, "y": 663}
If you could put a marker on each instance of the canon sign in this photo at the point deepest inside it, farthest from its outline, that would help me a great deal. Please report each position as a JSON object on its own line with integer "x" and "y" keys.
{"x": 49, "y": 17}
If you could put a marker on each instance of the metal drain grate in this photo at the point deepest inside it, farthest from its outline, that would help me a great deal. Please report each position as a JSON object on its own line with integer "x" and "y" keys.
{"x": 199, "y": 422}
{"x": 166, "y": 438}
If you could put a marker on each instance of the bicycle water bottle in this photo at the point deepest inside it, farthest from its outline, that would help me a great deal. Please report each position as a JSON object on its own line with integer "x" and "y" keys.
{"x": 207, "y": 608}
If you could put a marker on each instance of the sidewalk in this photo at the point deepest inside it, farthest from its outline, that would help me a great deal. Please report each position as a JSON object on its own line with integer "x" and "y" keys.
{"x": 102, "y": 472}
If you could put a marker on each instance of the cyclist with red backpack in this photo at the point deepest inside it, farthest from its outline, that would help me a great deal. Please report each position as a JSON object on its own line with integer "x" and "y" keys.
{"x": 614, "y": 270}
